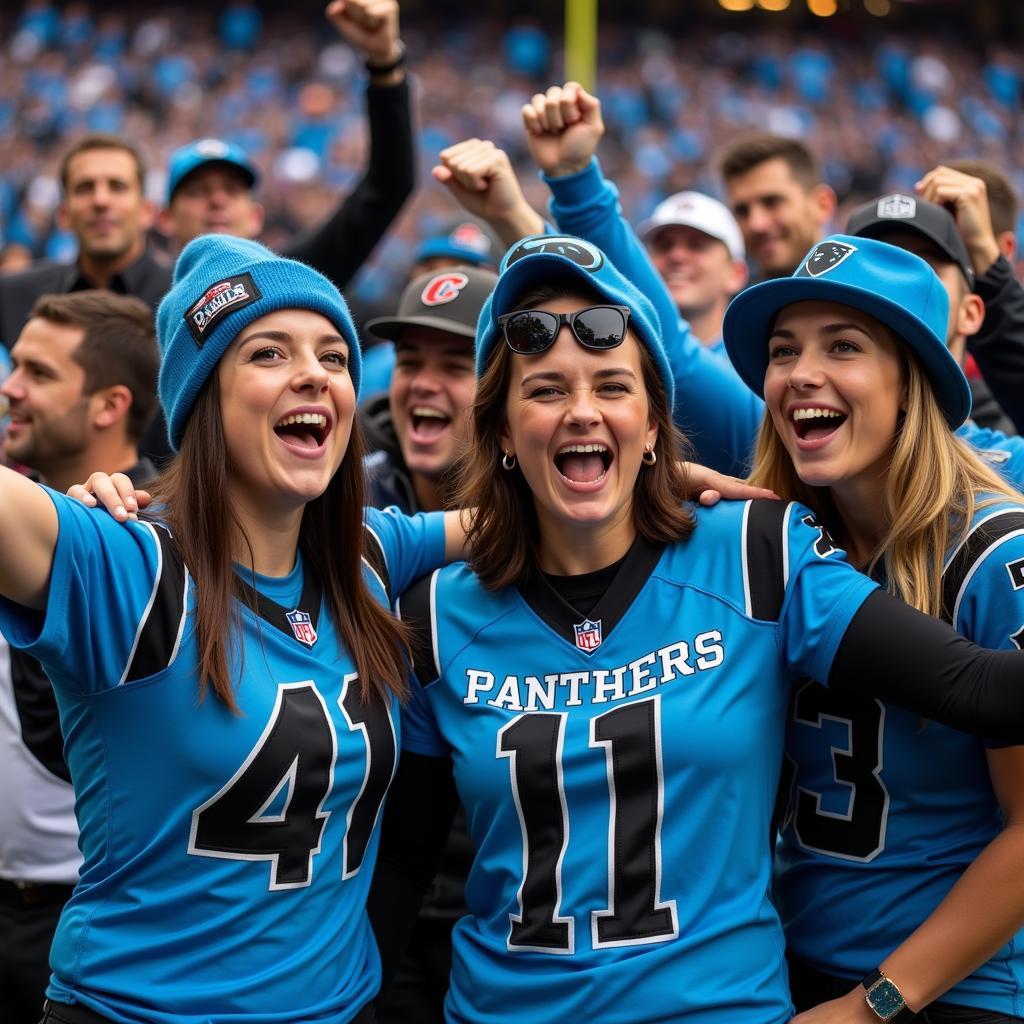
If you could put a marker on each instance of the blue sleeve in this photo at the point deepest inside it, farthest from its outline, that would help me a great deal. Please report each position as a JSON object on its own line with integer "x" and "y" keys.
{"x": 412, "y": 545}
{"x": 823, "y": 593}
{"x": 101, "y": 585}
{"x": 714, "y": 408}
{"x": 420, "y": 732}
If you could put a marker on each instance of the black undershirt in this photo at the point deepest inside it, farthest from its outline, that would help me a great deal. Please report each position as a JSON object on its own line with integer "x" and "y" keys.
{"x": 586, "y": 589}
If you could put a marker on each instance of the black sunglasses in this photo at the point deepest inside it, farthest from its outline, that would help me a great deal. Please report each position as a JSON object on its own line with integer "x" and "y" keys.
{"x": 530, "y": 331}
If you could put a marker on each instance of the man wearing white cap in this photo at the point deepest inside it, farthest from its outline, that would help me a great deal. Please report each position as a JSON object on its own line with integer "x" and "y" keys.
{"x": 696, "y": 246}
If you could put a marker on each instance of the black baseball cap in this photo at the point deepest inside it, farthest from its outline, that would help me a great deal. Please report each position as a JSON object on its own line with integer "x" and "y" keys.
{"x": 898, "y": 211}
{"x": 447, "y": 300}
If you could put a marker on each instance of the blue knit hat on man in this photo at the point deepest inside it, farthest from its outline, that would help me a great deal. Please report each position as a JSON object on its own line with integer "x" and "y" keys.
{"x": 545, "y": 259}
{"x": 887, "y": 282}
{"x": 221, "y": 285}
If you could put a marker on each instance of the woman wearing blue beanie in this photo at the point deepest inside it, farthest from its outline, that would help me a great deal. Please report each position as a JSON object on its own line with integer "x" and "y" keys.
{"x": 898, "y": 870}
{"x": 227, "y": 670}
{"x": 606, "y": 681}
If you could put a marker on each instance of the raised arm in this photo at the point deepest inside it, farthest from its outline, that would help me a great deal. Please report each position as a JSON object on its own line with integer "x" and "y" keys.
{"x": 28, "y": 538}
{"x": 481, "y": 180}
{"x": 340, "y": 246}
{"x": 998, "y": 346}
{"x": 714, "y": 408}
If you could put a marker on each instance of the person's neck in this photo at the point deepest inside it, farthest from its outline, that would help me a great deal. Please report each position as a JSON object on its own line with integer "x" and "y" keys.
{"x": 268, "y": 540}
{"x": 574, "y": 549}
{"x": 428, "y": 493}
{"x": 861, "y": 508}
{"x": 100, "y": 271}
{"x": 105, "y": 456}
{"x": 706, "y": 324}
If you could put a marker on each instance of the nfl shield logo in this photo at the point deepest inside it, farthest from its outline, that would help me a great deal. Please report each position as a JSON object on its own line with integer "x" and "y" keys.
{"x": 588, "y": 635}
{"x": 826, "y": 256}
{"x": 897, "y": 207}
{"x": 302, "y": 627}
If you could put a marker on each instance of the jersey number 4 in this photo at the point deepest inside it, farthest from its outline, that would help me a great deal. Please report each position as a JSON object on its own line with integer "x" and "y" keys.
{"x": 292, "y": 765}
{"x": 630, "y": 736}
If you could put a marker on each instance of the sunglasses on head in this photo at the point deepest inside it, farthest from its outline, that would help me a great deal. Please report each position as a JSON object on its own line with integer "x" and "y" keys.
{"x": 530, "y": 331}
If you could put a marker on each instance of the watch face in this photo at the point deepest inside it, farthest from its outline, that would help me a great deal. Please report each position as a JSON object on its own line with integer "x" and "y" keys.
{"x": 885, "y": 999}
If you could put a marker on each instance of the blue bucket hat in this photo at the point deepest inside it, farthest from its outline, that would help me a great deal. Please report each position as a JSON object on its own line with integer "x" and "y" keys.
{"x": 194, "y": 155}
{"x": 891, "y": 284}
{"x": 221, "y": 285}
{"x": 541, "y": 259}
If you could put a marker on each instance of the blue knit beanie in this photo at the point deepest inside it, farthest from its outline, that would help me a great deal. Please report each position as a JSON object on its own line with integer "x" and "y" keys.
{"x": 221, "y": 285}
{"x": 544, "y": 259}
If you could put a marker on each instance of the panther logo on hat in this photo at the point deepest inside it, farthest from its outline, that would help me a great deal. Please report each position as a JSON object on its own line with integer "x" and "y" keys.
{"x": 443, "y": 288}
{"x": 581, "y": 253}
{"x": 826, "y": 256}
{"x": 897, "y": 207}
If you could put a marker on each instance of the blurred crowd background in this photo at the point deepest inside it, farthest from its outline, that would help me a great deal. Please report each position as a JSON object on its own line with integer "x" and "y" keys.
{"x": 880, "y": 100}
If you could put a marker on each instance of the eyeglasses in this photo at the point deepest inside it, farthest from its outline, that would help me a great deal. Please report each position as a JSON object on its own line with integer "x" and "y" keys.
{"x": 530, "y": 331}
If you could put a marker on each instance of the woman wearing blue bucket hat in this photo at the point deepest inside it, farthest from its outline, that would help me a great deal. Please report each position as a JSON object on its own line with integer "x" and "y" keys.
{"x": 227, "y": 670}
{"x": 607, "y": 680}
{"x": 899, "y": 864}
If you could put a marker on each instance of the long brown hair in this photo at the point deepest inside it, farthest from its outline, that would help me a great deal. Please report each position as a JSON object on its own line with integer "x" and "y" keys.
{"x": 504, "y": 532}
{"x": 934, "y": 485}
{"x": 194, "y": 493}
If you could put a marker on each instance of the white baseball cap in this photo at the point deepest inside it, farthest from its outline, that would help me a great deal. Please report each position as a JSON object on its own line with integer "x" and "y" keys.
{"x": 700, "y": 211}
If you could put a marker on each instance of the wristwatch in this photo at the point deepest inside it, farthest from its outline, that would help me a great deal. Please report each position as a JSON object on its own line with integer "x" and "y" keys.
{"x": 885, "y": 1000}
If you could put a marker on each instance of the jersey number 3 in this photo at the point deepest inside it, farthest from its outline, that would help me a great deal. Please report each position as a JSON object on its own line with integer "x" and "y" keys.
{"x": 296, "y": 754}
{"x": 630, "y": 736}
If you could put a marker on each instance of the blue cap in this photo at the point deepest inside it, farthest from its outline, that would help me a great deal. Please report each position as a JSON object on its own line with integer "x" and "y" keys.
{"x": 891, "y": 284}
{"x": 221, "y": 285}
{"x": 198, "y": 154}
{"x": 464, "y": 241}
{"x": 542, "y": 259}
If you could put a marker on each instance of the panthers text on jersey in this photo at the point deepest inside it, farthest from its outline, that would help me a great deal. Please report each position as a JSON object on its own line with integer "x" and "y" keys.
{"x": 619, "y": 770}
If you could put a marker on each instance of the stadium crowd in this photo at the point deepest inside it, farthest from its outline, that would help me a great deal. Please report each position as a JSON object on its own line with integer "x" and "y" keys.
{"x": 879, "y": 111}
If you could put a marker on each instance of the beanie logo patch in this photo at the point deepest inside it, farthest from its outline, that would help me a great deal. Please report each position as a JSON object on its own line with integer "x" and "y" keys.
{"x": 220, "y": 299}
{"x": 444, "y": 288}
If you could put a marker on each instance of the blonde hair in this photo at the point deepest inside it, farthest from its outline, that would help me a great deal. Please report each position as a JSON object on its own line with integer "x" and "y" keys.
{"x": 934, "y": 485}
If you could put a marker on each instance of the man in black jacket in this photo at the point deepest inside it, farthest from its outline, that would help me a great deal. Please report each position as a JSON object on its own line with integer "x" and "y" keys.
{"x": 210, "y": 182}
{"x": 417, "y": 428}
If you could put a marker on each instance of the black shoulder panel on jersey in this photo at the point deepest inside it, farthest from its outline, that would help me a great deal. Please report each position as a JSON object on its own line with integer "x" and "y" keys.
{"x": 764, "y": 558}
{"x": 160, "y": 631}
{"x": 37, "y": 714}
{"x": 979, "y": 540}
{"x": 415, "y": 611}
{"x": 374, "y": 555}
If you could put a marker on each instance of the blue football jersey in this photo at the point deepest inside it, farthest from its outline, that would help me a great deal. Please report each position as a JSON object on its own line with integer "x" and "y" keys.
{"x": 619, "y": 770}
{"x": 227, "y": 857}
{"x": 887, "y": 810}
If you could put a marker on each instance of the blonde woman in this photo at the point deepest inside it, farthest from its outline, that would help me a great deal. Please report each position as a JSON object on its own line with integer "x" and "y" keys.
{"x": 899, "y": 860}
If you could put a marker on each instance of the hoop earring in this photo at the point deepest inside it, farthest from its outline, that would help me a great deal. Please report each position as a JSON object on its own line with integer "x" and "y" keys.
{"x": 650, "y": 456}
{"x": 508, "y": 461}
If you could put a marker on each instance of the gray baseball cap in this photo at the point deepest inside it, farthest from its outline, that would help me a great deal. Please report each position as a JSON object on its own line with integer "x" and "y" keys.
{"x": 446, "y": 300}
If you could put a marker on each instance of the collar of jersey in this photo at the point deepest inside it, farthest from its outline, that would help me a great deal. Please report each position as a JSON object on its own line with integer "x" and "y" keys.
{"x": 255, "y": 595}
{"x": 561, "y": 616}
